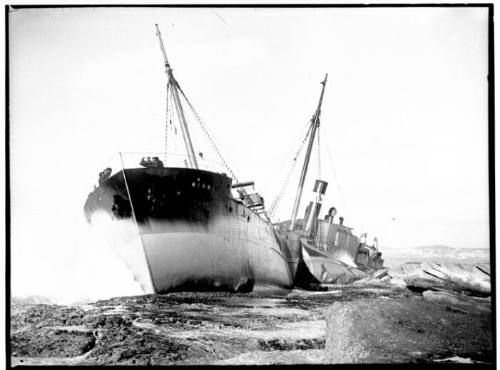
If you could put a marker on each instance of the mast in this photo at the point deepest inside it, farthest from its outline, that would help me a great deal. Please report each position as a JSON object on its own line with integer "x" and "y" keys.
{"x": 178, "y": 107}
{"x": 314, "y": 127}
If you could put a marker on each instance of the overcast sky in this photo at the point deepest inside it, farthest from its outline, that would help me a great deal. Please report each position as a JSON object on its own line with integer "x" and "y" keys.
{"x": 403, "y": 124}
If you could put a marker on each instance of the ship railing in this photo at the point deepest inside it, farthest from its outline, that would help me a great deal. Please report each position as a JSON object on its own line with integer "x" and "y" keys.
{"x": 179, "y": 160}
{"x": 130, "y": 160}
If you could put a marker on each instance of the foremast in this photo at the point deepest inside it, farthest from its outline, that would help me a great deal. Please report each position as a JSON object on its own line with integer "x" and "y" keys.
{"x": 313, "y": 128}
{"x": 173, "y": 86}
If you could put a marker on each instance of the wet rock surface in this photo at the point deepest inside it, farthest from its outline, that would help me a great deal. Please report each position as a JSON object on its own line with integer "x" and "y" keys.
{"x": 469, "y": 279}
{"x": 377, "y": 320}
{"x": 410, "y": 329}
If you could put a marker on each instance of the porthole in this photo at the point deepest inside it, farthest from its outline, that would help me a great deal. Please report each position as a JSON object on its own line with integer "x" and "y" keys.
{"x": 203, "y": 186}
{"x": 178, "y": 193}
{"x": 208, "y": 186}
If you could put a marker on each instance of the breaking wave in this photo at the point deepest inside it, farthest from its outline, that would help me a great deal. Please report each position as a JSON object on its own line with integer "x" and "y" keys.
{"x": 79, "y": 267}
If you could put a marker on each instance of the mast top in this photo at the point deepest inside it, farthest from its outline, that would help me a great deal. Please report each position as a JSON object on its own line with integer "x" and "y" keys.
{"x": 320, "y": 100}
{"x": 165, "y": 59}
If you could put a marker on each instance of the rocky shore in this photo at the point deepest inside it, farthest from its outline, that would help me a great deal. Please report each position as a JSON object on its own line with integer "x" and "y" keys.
{"x": 407, "y": 318}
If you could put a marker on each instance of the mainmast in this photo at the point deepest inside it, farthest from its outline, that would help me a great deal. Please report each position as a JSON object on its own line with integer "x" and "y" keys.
{"x": 314, "y": 127}
{"x": 174, "y": 86}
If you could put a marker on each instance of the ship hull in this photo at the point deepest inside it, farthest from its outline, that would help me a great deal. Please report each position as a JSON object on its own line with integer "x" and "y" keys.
{"x": 329, "y": 270}
{"x": 180, "y": 229}
{"x": 335, "y": 256}
{"x": 310, "y": 266}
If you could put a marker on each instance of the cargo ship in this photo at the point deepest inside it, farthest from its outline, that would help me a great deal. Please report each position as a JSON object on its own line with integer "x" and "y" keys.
{"x": 181, "y": 226}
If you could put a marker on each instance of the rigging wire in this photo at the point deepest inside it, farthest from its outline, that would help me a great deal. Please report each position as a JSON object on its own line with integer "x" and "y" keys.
{"x": 336, "y": 179}
{"x": 207, "y": 133}
{"x": 170, "y": 140}
{"x": 276, "y": 201}
{"x": 319, "y": 153}
{"x": 167, "y": 115}
{"x": 278, "y": 169}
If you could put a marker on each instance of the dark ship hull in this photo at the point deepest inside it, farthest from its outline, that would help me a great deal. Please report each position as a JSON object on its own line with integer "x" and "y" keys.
{"x": 181, "y": 229}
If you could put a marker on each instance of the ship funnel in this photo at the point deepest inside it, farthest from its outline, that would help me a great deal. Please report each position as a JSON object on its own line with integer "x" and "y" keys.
{"x": 320, "y": 187}
{"x": 313, "y": 209}
{"x": 331, "y": 214}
